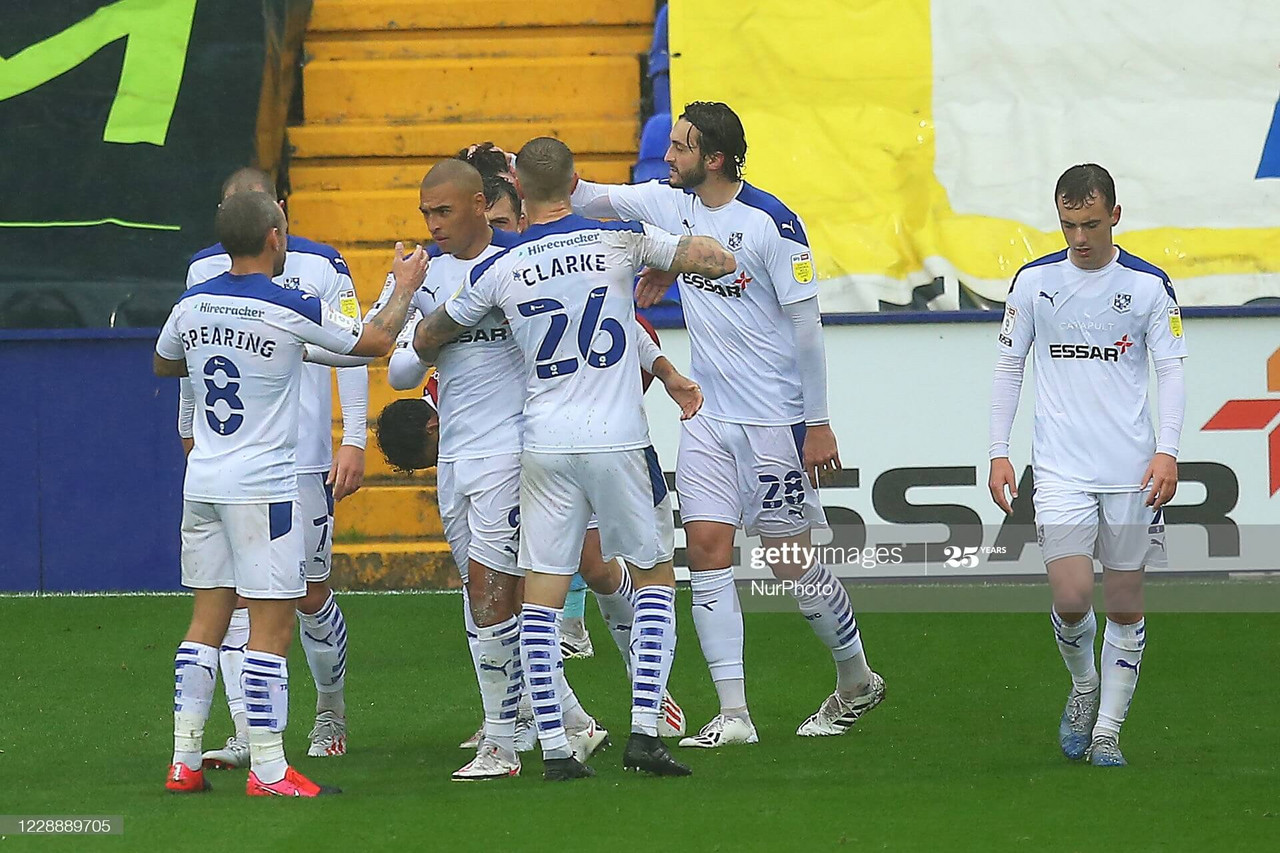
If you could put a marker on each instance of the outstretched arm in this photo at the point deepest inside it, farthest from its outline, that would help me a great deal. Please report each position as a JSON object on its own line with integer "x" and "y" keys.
{"x": 703, "y": 256}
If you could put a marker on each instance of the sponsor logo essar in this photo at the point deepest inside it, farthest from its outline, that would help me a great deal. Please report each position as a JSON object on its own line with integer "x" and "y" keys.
{"x": 1084, "y": 351}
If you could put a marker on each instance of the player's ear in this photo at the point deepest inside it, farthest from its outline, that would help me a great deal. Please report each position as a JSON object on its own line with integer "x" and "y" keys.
{"x": 715, "y": 162}
{"x": 515, "y": 179}
{"x": 1115, "y": 216}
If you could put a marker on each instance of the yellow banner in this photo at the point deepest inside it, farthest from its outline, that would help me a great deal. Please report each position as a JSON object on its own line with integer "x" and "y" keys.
{"x": 921, "y": 142}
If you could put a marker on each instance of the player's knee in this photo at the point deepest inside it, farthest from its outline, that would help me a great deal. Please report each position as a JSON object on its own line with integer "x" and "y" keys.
{"x": 600, "y": 576}
{"x": 317, "y": 595}
{"x": 492, "y": 596}
{"x": 708, "y": 548}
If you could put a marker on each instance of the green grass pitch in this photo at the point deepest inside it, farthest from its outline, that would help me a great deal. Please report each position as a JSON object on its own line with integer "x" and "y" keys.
{"x": 961, "y": 756}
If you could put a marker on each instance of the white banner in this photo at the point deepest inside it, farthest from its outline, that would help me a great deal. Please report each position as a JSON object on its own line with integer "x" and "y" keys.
{"x": 909, "y": 404}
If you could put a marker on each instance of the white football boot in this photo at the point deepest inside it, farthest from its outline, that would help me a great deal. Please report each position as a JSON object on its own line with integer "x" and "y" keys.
{"x": 722, "y": 731}
{"x": 836, "y": 715}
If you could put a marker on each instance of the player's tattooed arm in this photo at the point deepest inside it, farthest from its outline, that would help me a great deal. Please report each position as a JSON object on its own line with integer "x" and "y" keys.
{"x": 378, "y": 337}
{"x": 168, "y": 366}
{"x": 434, "y": 331}
{"x": 702, "y": 256}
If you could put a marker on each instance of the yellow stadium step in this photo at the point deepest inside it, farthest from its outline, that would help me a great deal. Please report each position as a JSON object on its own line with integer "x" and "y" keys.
{"x": 347, "y": 15}
{"x": 440, "y": 44}
{"x": 480, "y": 89}
{"x": 380, "y": 396}
{"x": 374, "y": 216}
{"x": 394, "y": 565}
{"x": 377, "y": 173}
{"x": 583, "y": 135}
{"x": 382, "y": 512}
{"x": 369, "y": 268}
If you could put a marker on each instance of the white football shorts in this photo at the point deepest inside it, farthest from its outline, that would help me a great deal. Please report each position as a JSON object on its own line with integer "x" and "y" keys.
{"x": 1117, "y": 528}
{"x": 748, "y": 476}
{"x": 316, "y": 502}
{"x": 255, "y": 548}
{"x": 624, "y": 488}
{"x": 480, "y": 508}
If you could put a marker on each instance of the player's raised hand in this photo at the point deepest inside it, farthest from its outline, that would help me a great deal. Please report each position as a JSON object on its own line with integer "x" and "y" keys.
{"x": 1002, "y": 478}
{"x": 686, "y": 393}
{"x": 820, "y": 452}
{"x": 409, "y": 270}
{"x": 651, "y": 287}
{"x": 346, "y": 474}
{"x": 1162, "y": 474}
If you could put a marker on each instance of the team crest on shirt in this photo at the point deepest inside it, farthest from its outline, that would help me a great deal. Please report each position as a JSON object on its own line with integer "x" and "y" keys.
{"x": 735, "y": 241}
{"x": 292, "y": 283}
{"x": 802, "y": 267}
{"x": 1122, "y": 303}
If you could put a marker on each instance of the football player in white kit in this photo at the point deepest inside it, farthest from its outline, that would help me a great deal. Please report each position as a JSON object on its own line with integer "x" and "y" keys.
{"x": 480, "y": 394}
{"x": 566, "y": 291}
{"x": 323, "y": 478}
{"x": 242, "y": 337}
{"x": 1090, "y": 315}
{"x": 757, "y": 351}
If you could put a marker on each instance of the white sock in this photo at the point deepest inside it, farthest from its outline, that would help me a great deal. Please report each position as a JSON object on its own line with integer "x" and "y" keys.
{"x": 575, "y": 716}
{"x": 324, "y": 640}
{"x": 469, "y": 623}
{"x": 540, "y": 653}
{"x": 717, "y": 616}
{"x": 618, "y": 609}
{"x": 194, "y": 666}
{"x": 500, "y": 676}
{"x": 653, "y": 648}
{"x": 1075, "y": 642}
{"x": 231, "y": 659}
{"x": 825, "y": 604}
{"x": 266, "y": 704}
{"x": 1122, "y": 647}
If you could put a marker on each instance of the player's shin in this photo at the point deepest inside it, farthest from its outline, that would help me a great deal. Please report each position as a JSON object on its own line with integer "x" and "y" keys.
{"x": 1075, "y": 643}
{"x": 231, "y": 660}
{"x": 618, "y": 611}
{"x": 500, "y": 675}
{"x": 825, "y": 604}
{"x": 1122, "y": 647}
{"x": 653, "y": 647}
{"x": 324, "y": 639}
{"x": 266, "y": 699}
{"x": 540, "y": 653}
{"x": 194, "y": 666}
{"x": 717, "y": 617}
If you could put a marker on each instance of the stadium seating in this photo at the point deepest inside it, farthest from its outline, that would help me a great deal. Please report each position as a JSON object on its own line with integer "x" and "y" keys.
{"x": 654, "y": 138}
{"x": 384, "y": 97}
{"x": 649, "y": 170}
{"x": 659, "y": 55}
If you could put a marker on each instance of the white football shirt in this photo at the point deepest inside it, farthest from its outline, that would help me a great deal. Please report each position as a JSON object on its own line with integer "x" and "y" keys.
{"x": 1090, "y": 332}
{"x": 319, "y": 270}
{"x": 242, "y": 339}
{"x": 480, "y": 374}
{"x": 566, "y": 290}
{"x": 742, "y": 348}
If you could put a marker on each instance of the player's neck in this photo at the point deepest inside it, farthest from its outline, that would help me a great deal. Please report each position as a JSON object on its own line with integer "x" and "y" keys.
{"x": 1094, "y": 261}
{"x": 540, "y": 213}
{"x": 716, "y": 192}
{"x": 475, "y": 247}
{"x": 262, "y": 264}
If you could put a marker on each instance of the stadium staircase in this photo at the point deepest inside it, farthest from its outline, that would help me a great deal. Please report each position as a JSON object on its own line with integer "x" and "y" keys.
{"x": 392, "y": 86}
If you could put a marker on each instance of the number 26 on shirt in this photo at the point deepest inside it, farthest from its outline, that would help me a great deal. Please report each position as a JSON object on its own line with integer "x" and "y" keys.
{"x": 547, "y": 365}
